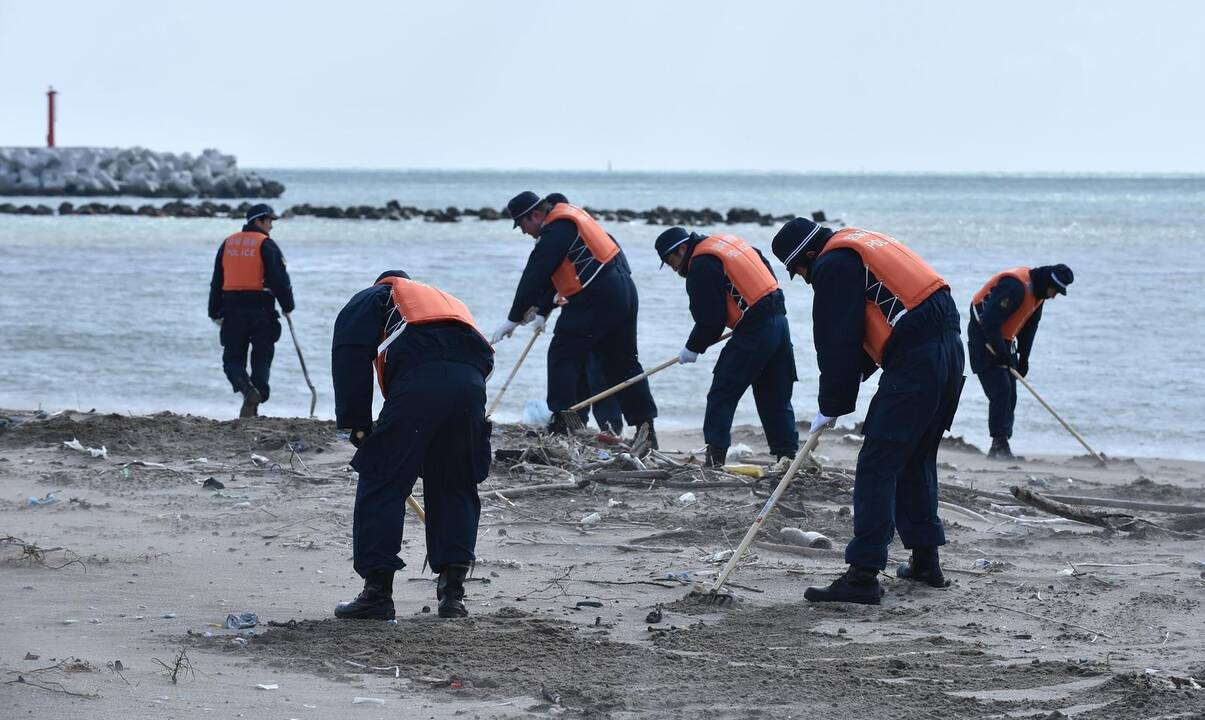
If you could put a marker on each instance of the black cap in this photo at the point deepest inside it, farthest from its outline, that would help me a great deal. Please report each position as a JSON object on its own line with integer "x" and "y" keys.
{"x": 391, "y": 273}
{"x": 669, "y": 241}
{"x": 556, "y": 199}
{"x": 797, "y": 241}
{"x": 1051, "y": 276}
{"x": 255, "y": 212}
{"x": 522, "y": 204}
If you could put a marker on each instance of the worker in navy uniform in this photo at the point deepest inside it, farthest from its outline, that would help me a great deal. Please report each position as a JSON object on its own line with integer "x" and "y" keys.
{"x": 729, "y": 282}
{"x": 576, "y": 265}
{"x": 249, "y": 278}
{"x": 1004, "y": 317}
{"x": 431, "y": 365}
{"x": 877, "y": 304}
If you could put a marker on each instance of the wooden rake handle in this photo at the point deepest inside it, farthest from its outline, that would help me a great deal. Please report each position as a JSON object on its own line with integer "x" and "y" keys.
{"x": 514, "y": 371}
{"x": 633, "y": 380}
{"x": 800, "y": 457}
{"x": 418, "y": 509}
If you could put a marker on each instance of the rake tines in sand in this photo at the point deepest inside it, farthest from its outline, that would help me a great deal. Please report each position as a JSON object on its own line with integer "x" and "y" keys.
{"x": 713, "y": 596}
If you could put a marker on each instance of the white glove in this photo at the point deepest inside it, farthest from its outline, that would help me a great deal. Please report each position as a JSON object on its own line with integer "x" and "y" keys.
{"x": 537, "y": 324}
{"x": 217, "y": 321}
{"x": 505, "y": 330}
{"x": 820, "y": 421}
{"x": 686, "y": 355}
{"x": 531, "y": 314}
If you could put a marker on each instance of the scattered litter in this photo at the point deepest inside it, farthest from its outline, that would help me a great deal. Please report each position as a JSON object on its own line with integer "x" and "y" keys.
{"x": 719, "y": 556}
{"x": 591, "y": 519}
{"x": 682, "y": 576}
{"x": 687, "y": 498}
{"x": 213, "y": 483}
{"x": 241, "y": 622}
{"x": 753, "y": 471}
{"x": 243, "y": 504}
{"x": 654, "y": 616}
{"x": 48, "y": 499}
{"x": 260, "y": 459}
{"x": 268, "y": 687}
{"x": 31, "y": 656}
{"x": 169, "y": 616}
{"x": 610, "y": 503}
{"x": 1066, "y": 572}
{"x": 550, "y": 695}
{"x": 367, "y": 701}
{"x": 812, "y": 539}
{"x": 70, "y": 621}
{"x": 74, "y": 444}
{"x": 589, "y": 603}
{"x": 988, "y": 565}
{"x": 739, "y": 451}
{"x": 240, "y": 641}
{"x": 536, "y": 412}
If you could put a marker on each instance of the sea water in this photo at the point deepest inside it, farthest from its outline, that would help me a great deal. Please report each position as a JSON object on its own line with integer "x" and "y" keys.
{"x": 109, "y": 312}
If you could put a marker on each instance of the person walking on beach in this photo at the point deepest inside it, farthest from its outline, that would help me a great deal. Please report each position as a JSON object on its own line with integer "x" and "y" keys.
{"x": 431, "y": 365}
{"x": 1004, "y": 317}
{"x": 878, "y": 304}
{"x": 575, "y": 264}
{"x": 730, "y": 283}
{"x": 249, "y": 278}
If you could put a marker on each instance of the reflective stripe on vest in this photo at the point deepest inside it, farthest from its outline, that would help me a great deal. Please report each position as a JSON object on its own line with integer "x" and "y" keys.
{"x": 590, "y": 251}
{"x": 1029, "y": 304}
{"x": 749, "y": 280}
{"x": 897, "y": 280}
{"x": 415, "y": 303}
{"x": 242, "y": 261}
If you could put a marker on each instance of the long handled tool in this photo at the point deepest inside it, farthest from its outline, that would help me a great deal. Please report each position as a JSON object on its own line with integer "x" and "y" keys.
{"x": 1050, "y": 410}
{"x": 418, "y": 509}
{"x": 514, "y": 371}
{"x": 713, "y": 595}
{"x": 304, "y": 371}
{"x": 574, "y": 422}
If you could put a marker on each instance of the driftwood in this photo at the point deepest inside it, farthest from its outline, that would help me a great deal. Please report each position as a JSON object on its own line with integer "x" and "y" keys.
{"x": 1113, "y": 522}
{"x": 535, "y": 489}
{"x": 1187, "y": 522}
{"x": 799, "y": 550}
{"x": 1084, "y": 500}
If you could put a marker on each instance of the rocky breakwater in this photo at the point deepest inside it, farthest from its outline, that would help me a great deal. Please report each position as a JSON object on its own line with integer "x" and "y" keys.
{"x": 134, "y": 172}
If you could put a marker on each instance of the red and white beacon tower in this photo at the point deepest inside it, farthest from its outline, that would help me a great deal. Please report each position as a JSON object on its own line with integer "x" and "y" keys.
{"x": 50, "y": 109}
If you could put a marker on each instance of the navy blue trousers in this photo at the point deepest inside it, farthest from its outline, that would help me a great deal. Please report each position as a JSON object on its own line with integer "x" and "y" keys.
{"x": 1001, "y": 389}
{"x": 254, "y": 328}
{"x": 895, "y": 488}
{"x": 433, "y": 424}
{"x": 608, "y": 331}
{"x": 761, "y": 356}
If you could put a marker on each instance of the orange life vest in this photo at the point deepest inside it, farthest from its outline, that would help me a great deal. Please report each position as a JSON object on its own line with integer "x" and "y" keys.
{"x": 901, "y": 282}
{"x": 418, "y": 304}
{"x": 592, "y": 246}
{"x": 242, "y": 263}
{"x": 1029, "y": 305}
{"x": 749, "y": 280}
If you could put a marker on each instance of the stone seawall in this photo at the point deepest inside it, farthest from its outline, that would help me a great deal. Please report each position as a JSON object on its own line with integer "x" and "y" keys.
{"x": 138, "y": 172}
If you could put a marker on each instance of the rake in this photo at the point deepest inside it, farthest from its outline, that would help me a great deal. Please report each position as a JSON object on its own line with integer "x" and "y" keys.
{"x": 714, "y": 596}
{"x": 573, "y": 421}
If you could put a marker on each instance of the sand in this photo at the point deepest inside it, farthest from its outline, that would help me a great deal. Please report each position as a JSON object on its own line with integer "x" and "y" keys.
{"x": 143, "y": 562}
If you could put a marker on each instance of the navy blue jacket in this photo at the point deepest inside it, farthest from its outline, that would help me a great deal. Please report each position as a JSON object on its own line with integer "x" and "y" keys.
{"x": 1001, "y": 302}
{"x": 535, "y": 285}
{"x": 359, "y": 329}
{"x": 276, "y": 280}
{"x": 707, "y": 286}
{"x": 838, "y": 327}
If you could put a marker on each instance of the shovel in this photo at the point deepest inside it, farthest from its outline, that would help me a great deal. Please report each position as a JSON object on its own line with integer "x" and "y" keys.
{"x": 304, "y": 372}
{"x": 714, "y": 596}
{"x": 573, "y": 421}
{"x": 1100, "y": 459}
{"x": 514, "y": 371}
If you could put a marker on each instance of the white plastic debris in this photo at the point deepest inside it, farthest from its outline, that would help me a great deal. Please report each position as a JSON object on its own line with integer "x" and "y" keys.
{"x": 74, "y": 444}
{"x": 1066, "y": 572}
{"x": 687, "y": 498}
{"x": 367, "y": 701}
{"x": 809, "y": 538}
{"x": 261, "y": 686}
{"x": 614, "y": 503}
{"x": 536, "y": 412}
{"x": 591, "y": 519}
{"x": 260, "y": 459}
{"x": 739, "y": 451}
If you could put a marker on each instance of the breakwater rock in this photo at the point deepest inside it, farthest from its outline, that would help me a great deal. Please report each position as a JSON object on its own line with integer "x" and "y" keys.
{"x": 393, "y": 210}
{"x": 135, "y": 171}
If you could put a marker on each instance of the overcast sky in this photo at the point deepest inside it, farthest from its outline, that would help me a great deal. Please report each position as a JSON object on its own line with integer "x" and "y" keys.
{"x": 646, "y": 85}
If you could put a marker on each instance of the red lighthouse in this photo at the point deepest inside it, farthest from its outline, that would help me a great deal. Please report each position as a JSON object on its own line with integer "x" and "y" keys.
{"x": 50, "y": 109}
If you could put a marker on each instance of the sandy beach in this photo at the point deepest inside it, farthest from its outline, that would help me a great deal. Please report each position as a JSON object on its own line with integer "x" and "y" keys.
{"x": 135, "y": 562}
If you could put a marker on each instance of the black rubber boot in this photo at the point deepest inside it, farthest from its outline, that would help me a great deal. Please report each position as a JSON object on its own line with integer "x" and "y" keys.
{"x": 924, "y": 567}
{"x": 857, "y": 585}
{"x": 651, "y": 443}
{"x": 251, "y": 401}
{"x": 716, "y": 456}
{"x": 449, "y": 590}
{"x": 375, "y": 601}
{"x": 1000, "y": 449}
